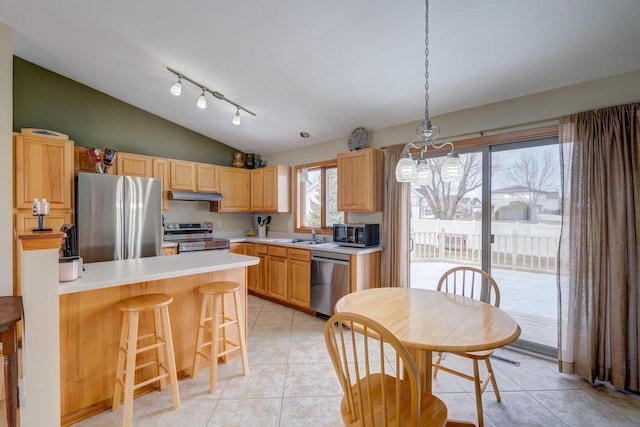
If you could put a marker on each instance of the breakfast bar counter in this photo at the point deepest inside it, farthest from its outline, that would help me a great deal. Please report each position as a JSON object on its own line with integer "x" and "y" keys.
{"x": 90, "y": 323}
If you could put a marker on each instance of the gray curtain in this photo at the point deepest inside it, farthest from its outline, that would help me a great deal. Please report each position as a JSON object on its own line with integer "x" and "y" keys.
{"x": 599, "y": 323}
{"x": 395, "y": 229}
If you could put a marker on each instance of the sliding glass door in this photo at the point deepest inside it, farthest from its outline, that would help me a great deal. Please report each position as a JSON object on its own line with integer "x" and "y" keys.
{"x": 525, "y": 230}
{"x": 503, "y": 217}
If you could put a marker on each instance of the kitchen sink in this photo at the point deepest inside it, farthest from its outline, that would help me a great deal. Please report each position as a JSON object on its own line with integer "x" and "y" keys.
{"x": 304, "y": 242}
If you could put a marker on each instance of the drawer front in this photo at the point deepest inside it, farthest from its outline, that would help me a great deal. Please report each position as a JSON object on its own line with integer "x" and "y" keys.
{"x": 300, "y": 254}
{"x": 278, "y": 251}
{"x": 261, "y": 249}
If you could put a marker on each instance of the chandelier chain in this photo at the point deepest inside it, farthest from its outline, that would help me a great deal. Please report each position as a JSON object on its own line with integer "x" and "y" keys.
{"x": 426, "y": 63}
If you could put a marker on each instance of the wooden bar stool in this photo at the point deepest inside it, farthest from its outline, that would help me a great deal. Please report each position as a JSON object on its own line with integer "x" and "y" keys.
{"x": 161, "y": 341}
{"x": 213, "y": 295}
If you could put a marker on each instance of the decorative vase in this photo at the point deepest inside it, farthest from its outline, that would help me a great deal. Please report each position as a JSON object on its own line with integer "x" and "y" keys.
{"x": 249, "y": 160}
{"x": 238, "y": 159}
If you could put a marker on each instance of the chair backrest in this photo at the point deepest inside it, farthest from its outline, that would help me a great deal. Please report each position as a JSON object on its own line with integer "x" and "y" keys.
{"x": 368, "y": 358}
{"x": 469, "y": 281}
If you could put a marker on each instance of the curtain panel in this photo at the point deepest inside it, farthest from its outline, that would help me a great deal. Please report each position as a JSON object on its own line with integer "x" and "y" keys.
{"x": 395, "y": 228}
{"x": 599, "y": 258}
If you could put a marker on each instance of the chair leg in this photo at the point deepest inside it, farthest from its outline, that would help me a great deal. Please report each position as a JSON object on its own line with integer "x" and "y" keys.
{"x": 160, "y": 336}
{"x": 130, "y": 370}
{"x": 436, "y": 365}
{"x": 478, "y": 389}
{"x": 170, "y": 357}
{"x": 200, "y": 337}
{"x": 241, "y": 337}
{"x": 215, "y": 337}
{"x": 494, "y": 383}
{"x": 122, "y": 353}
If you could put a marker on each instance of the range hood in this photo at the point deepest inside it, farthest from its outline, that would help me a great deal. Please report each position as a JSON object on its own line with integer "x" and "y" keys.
{"x": 195, "y": 196}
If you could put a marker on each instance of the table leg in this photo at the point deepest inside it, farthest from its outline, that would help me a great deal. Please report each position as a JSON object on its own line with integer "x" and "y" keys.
{"x": 9, "y": 347}
{"x": 425, "y": 364}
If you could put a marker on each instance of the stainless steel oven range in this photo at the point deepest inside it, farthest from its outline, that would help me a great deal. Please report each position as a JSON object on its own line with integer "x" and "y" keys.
{"x": 194, "y": 236}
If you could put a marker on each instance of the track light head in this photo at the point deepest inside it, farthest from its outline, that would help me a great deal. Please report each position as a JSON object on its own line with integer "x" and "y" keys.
{"x": 176, "y": 89}
{"x": 202, "y": 101}
{"x": 236, "y": 117}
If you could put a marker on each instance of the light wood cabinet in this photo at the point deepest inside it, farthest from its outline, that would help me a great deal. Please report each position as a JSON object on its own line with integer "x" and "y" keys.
{"x": 207, "y": 178}
{"x": 55, "y": 220}
{"x": 270, "y": 189}
{"x": 43, "y": 169}
{"x": 82, "y": 163}
{"x": 129, "y": 164}
{"x": 183, "y": 175}
{"x": 260, "y": 283}
{"x": 235, "y": 186}
{"x": 277, "y": 272}
{"x": 360, "y": 175}
{"x": 162, "y": 171}
{"x": 299, "y": 283}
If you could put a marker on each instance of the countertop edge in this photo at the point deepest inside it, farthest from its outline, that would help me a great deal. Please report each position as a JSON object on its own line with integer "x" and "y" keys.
{"x": 108, "y": 274}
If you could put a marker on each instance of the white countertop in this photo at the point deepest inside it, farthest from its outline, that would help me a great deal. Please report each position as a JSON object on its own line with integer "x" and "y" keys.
{"x": 328, "y": 246}
{"x": 106, "y": 274}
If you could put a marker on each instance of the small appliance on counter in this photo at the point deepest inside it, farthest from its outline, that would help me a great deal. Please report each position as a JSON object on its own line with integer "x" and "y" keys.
{"x": 356, "y": 235}
{"x": 70, "y": 265}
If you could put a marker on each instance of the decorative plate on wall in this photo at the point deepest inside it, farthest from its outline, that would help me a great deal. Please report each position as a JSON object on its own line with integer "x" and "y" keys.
{"x": 357, "y": 139}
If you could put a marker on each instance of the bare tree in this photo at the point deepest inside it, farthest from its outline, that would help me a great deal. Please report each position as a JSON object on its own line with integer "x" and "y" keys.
{"x": 535, "y": 172}
{"x": 443, "y": 197}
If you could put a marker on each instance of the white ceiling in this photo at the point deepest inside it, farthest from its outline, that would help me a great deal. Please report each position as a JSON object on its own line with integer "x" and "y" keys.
{"x": 325, "y": 67}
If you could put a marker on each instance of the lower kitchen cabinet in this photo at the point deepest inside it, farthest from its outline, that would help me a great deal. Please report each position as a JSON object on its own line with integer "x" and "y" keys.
{"x": 277, "y": 273}
{"x": 300, "y": 277}
{"x": 259, "y": 284}
{"x": 173, "y": 250}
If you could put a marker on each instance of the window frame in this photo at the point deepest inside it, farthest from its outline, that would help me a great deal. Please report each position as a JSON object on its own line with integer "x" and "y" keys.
{"x": 298, "y": 199}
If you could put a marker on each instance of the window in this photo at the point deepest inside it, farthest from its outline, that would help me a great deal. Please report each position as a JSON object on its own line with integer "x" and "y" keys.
{"x": 317, "y": 198}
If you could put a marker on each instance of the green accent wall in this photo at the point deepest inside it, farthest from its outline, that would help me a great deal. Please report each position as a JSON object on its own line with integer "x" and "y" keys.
{"x": 46, "y": 100}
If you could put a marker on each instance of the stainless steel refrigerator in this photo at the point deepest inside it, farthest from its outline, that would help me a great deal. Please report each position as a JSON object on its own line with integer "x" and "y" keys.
{"x": 118, "y": 217}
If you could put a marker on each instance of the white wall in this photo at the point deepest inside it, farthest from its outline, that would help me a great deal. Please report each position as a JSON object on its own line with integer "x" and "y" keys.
{"x": 531, "y": 111}
{"x": 6, "y": 163}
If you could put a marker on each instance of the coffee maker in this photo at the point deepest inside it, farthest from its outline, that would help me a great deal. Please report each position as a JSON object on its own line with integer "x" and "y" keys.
{"x": 70, "y": 264}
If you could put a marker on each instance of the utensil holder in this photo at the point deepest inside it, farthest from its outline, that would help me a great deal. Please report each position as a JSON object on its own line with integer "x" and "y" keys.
{"x": 262, "y": 231}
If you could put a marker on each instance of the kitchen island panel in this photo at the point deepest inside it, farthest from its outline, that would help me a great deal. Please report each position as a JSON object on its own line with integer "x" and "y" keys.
{"x": 90, "y": 333}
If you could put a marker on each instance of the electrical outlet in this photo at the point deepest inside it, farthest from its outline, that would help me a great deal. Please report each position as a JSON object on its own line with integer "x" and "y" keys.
{"x": 218, "y": 223}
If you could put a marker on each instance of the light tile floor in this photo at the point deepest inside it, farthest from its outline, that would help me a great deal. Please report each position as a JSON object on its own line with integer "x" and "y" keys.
{"x": 292, "y": 383}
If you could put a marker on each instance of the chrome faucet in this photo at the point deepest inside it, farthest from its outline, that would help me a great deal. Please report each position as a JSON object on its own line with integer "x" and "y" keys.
{"x": 313, "y": 235}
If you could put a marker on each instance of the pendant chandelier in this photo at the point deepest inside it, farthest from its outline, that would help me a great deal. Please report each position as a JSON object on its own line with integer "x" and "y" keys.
{"x": 418, "y": 172}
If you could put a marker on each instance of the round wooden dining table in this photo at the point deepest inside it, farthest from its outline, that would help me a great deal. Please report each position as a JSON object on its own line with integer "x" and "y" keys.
{"x": 426, "y": 321}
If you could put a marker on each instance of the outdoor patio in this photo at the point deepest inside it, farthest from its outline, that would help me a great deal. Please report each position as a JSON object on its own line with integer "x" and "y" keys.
{"x": 530, "y": 298}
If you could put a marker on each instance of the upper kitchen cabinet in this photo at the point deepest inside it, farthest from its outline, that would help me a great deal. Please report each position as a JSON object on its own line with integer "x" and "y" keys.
{"x": 43, "y": 169}
{"x": 360, "y": 175}
{"x": 161, "y": 170}
{"x": 235, "y": 184}
{"x": 207, "y": 178}
{"x": 82, "y": 162}
{"x": 270, "y": 189}
{"x": 134, "y": 165}
{"x": 183, "y": 175}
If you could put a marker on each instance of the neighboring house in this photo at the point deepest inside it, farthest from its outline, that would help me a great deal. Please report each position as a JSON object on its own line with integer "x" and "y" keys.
{"x": 517, "y": 203}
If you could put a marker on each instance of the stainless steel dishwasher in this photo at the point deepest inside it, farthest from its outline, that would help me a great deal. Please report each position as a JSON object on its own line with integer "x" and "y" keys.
{"x": 329, "y": 280}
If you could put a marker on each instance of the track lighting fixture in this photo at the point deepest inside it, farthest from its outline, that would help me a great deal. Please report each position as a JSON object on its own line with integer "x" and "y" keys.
{"x": 176, "y": 89}
{"x": 202, "y": 101}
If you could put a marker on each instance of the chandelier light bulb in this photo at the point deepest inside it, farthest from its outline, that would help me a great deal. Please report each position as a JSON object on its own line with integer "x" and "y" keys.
{"x": 423, "y": 173}
{"x": 236, "y": 117}
{"x": 452, "y": 170}
{"x": 202, "y": 101}
{"x": 406, "y": 169}
{"x": 176, "y": 89}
